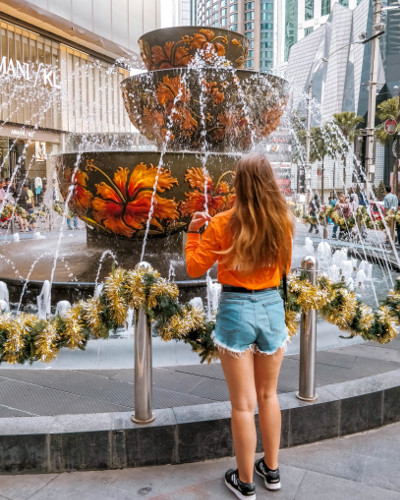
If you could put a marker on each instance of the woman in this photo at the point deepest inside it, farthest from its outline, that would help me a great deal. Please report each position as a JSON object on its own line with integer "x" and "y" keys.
{"x": 252, "y": 243}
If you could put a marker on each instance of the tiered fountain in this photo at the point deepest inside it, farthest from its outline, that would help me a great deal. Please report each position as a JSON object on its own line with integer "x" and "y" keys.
{"x": 202, "y": 109}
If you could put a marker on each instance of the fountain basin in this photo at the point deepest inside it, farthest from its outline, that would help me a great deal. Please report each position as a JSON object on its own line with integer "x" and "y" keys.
{"x": 177, "y": 47}
{"x": 113, "y": 192}
{"x": 205, "y": 109}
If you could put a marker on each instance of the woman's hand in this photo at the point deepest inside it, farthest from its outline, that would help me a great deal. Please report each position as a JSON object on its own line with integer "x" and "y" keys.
{"x": 198, "y": 221}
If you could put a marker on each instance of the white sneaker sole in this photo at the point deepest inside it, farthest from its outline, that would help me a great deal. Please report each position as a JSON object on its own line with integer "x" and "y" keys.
{"x": 271, "y": 487}
{"x": 238, "y": 494}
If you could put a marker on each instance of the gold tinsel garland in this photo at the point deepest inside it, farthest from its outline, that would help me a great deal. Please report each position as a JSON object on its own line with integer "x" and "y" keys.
{"x": 28, "y": 338}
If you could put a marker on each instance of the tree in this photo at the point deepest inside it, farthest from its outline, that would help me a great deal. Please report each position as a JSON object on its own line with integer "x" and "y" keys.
{"x": 347, "y": 122}
{"x": 390, "y": 110}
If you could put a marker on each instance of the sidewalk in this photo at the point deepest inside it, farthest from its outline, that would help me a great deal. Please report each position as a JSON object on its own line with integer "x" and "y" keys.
{"x": 363, "y": 466}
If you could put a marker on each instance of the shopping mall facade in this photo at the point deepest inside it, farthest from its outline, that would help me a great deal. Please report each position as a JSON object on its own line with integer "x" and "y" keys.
{"x": 60, "y": 77}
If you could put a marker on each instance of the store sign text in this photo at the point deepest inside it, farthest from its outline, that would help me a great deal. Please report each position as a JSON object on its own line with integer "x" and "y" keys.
{"x": 42, "y": 74}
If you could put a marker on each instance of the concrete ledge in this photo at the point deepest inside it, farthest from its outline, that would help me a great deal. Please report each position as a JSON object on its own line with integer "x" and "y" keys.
{"x": 188, "y": 434}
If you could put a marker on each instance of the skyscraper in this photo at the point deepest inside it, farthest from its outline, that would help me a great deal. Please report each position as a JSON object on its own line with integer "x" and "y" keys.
{"x": 253, "y": 18}
{"x": 302, "y": 17}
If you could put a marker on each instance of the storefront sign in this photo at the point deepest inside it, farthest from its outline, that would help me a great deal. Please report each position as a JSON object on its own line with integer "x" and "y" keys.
{"x": 390, "y": 126}
{"x": 30, "y": 134}
{"x": 40, "y": 74}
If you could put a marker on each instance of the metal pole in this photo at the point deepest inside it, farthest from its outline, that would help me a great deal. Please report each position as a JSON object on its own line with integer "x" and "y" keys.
{"x": 308, "y": 339}
{"x": 143, "y": 365}
{"x": 308, "y": 144}
{"x": 373, "y": 81}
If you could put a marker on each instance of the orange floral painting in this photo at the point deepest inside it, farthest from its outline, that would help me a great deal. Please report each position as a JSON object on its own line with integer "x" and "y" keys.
{"x": 180, "y": 53}
{"x": 81, "y": 198}
{"x": 124, "y": 203}
{"x": 206, "y": 196}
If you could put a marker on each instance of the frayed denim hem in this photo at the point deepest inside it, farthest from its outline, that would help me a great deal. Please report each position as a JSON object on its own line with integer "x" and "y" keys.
{"x": 252, "y": 348}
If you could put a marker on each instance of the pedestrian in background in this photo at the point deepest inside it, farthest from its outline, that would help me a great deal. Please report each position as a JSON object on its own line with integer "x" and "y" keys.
{"x": 390, "y": 202}
{"x": 252, "y": 244}
{"x": 313, "y": 211}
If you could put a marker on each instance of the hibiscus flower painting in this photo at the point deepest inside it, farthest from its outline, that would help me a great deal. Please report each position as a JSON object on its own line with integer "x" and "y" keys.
{"x": 205, "y": 195}
{"x": 80, "y": 199}
{"x": 124, "y": 203}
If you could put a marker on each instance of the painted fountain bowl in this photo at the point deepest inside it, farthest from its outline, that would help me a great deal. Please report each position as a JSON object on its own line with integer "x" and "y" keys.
{"x": 208, "y": 109}
{"x": 177, "y": 47}
{"x": 114, "y": 192}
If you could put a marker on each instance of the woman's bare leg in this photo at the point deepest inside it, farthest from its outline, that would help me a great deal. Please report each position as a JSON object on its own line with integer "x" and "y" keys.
{"x": 266, "y": 370}
{"x": 239, "y": 375}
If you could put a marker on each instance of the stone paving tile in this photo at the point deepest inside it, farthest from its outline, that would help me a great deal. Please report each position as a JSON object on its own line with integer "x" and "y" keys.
{"x": 382, "y": 473}
{"x": 70, "y": 486}
{"x": 315, "y": 486}
{"x": 332, "y": 462}
{"x": 23, "y": 487}
{"x": 383, "y": 443}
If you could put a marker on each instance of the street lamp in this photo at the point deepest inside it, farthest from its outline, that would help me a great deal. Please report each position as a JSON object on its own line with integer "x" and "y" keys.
{"x": 373, "y": 82}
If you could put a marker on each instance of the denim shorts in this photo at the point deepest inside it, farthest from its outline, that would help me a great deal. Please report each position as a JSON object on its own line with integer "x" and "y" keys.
{"x": 251, "y": 320}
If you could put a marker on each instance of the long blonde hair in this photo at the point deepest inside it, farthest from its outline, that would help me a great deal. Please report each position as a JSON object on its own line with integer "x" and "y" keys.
{"x": 261, "y": 225}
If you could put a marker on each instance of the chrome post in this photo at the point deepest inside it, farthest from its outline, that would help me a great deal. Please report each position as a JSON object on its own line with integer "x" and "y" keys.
{"x": 308, "y": 339}
{"x": 143, "y": 365}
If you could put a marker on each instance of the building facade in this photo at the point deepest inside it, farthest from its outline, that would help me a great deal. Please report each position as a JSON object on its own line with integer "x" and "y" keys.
{"x": 58, "y": 77}
{"x": 253, "y": 18}
{"x": 338, "y": 69}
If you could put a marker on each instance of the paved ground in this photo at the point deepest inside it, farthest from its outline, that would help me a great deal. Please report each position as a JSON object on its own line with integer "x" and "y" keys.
{"x": 363, "y": 466}
{"x": 25, "y": 392}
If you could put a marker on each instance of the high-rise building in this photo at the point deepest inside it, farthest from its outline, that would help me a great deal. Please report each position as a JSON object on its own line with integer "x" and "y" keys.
{"x": 303, "y": 17}
{"x": 253, "y": 18}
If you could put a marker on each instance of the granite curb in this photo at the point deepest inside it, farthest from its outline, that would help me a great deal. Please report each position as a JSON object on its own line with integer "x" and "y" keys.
{"x": 188, "y": 434}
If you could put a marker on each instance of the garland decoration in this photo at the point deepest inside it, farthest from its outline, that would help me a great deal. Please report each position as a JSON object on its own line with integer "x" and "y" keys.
{"x": 25, "y": 337}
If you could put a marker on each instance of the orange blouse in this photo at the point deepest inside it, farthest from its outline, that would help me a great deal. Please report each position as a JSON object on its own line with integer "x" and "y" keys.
{"x": 201, "y": 254}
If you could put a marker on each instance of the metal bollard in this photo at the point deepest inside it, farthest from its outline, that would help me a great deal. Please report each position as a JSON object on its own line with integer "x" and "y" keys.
{"x": 143, "y": 365}
{"x": 308, "y": 340}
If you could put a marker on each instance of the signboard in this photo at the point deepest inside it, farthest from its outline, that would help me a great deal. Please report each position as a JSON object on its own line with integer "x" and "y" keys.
{"x": 390, "y": 126}
{"x": 283, "y": 175}
{"x": 37, "y": 74}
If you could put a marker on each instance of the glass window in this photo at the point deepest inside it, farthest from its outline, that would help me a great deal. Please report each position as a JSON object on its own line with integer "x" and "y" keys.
{"x": 249, "y": 6}
{"x": 309, "y": 10}
{"x": 233, "y": 8}
{"x": 208, "y": 3}
{"x": 216, "y": 24}
{"x": 208, "y": 12}
{"x": 215, "y": 7}
{"x": 291, "y": 23}
{"x": 252, "y": 44}
{"x": 234, "y": 27}
{"x": 249, "y": 16}
{"x": 251, "y": 53}
{"x": 267, "y": 16}
{"x": 223, "y": 21}
{"x": 345, "y": 3}
{"x": 250, "y": 34}
{"x": 233, "y": 18}
{"x": 223, "y": 3}
{"x": 267, "y": 36}
{"x": 267, "y": 6}
{"x": 249, "y": 63}
{"x": 325, "y": 7}
{"x": 224, "y": 12}
{"x": 266, "y": 45}
{"x": 249, "y": 26}
{"x": 267, "y": 26}
{"x": 216, "y": 16}
{"x": 308, "y": 31}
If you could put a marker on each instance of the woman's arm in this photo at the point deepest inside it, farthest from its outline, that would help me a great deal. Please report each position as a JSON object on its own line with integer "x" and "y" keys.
{"x": 201, "y": 252}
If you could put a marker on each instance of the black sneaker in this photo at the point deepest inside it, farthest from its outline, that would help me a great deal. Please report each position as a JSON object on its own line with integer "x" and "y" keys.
{"x": 272, "y": 478}
{"x": 241, "y": 490}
